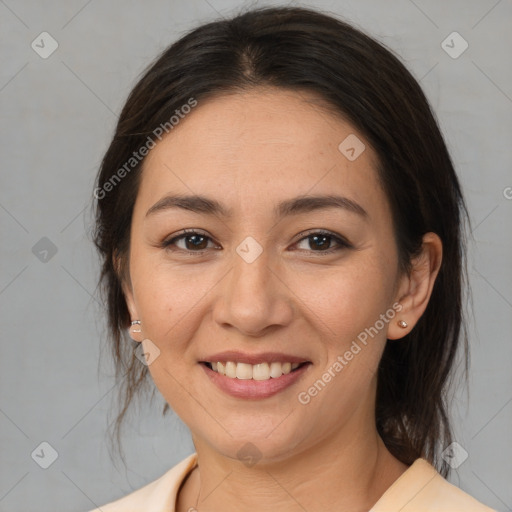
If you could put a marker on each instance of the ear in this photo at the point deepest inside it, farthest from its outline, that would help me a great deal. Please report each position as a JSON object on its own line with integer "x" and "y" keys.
{"x": 415, "y": 289}
{"x": 126, "y": 285}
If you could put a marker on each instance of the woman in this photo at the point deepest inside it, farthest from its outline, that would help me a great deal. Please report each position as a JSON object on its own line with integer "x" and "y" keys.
{"x": 281, "y": 231}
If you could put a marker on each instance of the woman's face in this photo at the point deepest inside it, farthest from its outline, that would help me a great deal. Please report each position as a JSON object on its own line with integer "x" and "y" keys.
{"x": 268, "y": 269}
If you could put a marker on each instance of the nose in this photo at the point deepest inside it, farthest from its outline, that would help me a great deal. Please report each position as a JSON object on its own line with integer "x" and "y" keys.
{"x": 254, "y": 297}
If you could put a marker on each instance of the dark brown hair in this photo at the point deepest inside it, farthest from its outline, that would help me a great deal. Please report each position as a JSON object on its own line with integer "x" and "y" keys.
{"x": 303, "y": 50}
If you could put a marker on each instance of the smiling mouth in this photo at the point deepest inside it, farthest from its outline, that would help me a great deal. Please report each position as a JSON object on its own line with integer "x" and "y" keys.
{"x": 245, "y": 371}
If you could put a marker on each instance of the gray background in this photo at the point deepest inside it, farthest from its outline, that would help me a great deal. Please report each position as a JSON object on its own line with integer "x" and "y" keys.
{"x": 57, "y": 117}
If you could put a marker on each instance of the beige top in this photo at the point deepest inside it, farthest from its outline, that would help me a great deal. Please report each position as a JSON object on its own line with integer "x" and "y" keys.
{"x": 419, "y": 489}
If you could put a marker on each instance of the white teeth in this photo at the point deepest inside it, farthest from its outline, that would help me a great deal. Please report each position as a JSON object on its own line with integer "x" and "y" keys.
{"x": 275, "y": 370}
{"x": 242, "y": 371}
{"x": 261, "y": 371}
{"x": 231, "y": 369}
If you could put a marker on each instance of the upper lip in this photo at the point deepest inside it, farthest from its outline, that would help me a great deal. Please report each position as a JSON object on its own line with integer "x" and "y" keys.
{"x": 263, "y": 357}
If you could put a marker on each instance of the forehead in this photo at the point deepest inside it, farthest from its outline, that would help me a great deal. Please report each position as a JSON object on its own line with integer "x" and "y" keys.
{"x": 261, "y": 146}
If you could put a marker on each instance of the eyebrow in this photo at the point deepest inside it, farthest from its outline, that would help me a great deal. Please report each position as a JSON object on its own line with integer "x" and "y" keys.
{"x": 295, "y": 206}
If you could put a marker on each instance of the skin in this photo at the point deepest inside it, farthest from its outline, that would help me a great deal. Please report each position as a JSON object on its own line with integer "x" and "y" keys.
{"x": 250, "y": 151}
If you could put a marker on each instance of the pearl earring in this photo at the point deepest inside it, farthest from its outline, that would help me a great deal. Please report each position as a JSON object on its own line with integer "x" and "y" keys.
{"x": 402, "y": 324}
{"x": 135, "y": 330}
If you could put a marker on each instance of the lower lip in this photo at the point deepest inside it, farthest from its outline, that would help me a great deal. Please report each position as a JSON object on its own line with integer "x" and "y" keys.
{"x": 254, "y": 389}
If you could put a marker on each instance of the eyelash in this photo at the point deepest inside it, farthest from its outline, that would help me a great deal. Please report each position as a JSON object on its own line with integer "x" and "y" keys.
{"x": 342, "y": 244}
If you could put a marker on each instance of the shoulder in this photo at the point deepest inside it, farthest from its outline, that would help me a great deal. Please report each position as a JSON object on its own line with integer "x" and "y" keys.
{"x": 422, "y": 489}
{"x": 157, "y": 496}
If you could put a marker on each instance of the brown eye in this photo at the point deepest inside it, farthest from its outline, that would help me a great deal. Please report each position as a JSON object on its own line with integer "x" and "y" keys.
{"x": 320, "y": 241}
{"x": 195, "y": 241}
{"x": 192, "y": 241}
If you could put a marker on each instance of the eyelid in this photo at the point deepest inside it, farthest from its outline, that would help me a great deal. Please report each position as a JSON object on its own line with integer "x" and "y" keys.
{"x": 320, "y": 231}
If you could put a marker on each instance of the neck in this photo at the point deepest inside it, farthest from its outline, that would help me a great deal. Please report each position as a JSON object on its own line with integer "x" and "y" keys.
{"x": 332, "y": 475}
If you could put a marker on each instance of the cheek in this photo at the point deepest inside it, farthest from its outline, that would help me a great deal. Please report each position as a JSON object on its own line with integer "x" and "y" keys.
{"x": 169, "y": 301}
{"x": 169, "y": 304}
{"x": 346, "y": 307}
{"x": 345, "y": 300}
